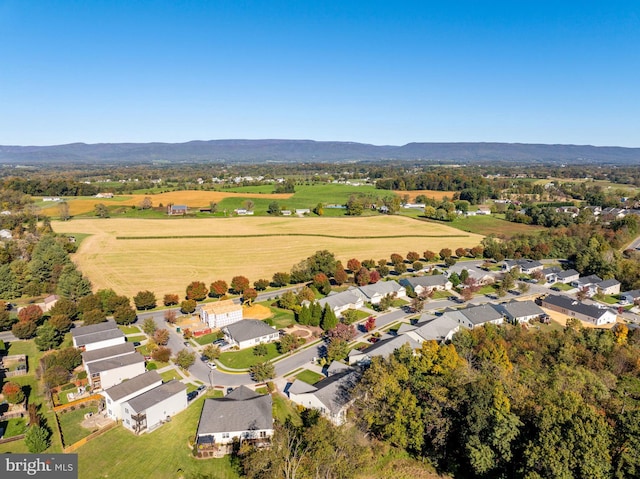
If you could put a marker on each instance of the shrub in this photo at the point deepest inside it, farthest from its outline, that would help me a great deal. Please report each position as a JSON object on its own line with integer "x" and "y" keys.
{"x": 68, "y": 386}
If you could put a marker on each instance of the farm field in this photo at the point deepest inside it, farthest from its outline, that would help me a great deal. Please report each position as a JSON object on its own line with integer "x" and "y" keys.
{"x": 85, "y": 204}
{"x": 433, "y": 194}
{"x": 168, "y": 254}
{"x": 492, "y": 225}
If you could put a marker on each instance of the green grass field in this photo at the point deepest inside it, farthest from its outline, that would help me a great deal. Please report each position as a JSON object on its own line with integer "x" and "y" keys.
{"x": 165, "y": 453}
{"x": 493, "y": 225}
{"x": 169, "y": 375}
{"x": 206, "y": 339}
{"x": 70, "y": 421}
{"x": 133, "y": 339}
{"x": 281, "y": 317}
{"x": 130, "y": 329}
{"x": 245, "y": 358}
{"x": 309, "y": 377}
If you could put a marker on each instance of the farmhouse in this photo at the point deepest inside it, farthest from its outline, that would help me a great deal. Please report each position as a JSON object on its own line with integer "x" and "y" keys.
{"x": 220, "y": 313}
{"x": 520, "y": 311}
{"x": 116, "y": 395}
{"x": 96, "y": 336}
{"x": 179, "y": 210}
{"x": 249, "y": 332}
{"x": 331, "y": 396}
{"x": 151, "y": 409}
{"x": 242, "y": 414}
{"x": 575, "y": 309}
{"x": 373, "y": 293}
{"x": 426, "y": 284}
{"x": 108, "y": 372}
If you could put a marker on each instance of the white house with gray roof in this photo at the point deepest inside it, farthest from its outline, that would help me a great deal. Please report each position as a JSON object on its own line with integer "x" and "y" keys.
{"x": 106, "y": 353}
{"x": 241, "y": 414}
{"x": 520, "y": 311}
{"x": 111, "y": 371}
{"x": 331, "y": 396}
{"x": 97, "y": 336}
{"x": 340, "y": 302}
{"x": 527, "y": 266}
{"x": 575, "y": 309}
{"x": 440, "y": 329}
{"x": 609, "y": 286}
{"x": 116, "y": 395}
{"x": 373, "y": 293}
{"x": 426, "y": 284}
{"x": 151, "y": 409}
{"x": 629, "y": 297}
{"x": 249, "y": 332}
{"x": 567, "y": 276}
{"x": 477, "y": 315}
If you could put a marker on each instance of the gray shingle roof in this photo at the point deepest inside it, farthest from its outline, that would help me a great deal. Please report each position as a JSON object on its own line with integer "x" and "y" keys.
{"x": 300, "y": 387}
{"x": 570, "y": 304}
{"x": 145, "y": 400}
{"x": 387, "y": 347}
{"x": 247, "y": 329}
{"x": 521, "y": 309}
{"x": 567, "y": 274}
{"x": 93, "y": 328}
{"x": 335, "y": 391}
{"x": 591, "y": 279}
{"x": 425, "y": 281}
{"x": 336, "y": 367}
{"x": 114, "y": 363}
{"x": 634, "y": 293}
{"x": 339, "y": 299}
{"x": 381, "y": 287}
{"x": 131, "y": 386}
{"x": 242, "y": 393}
{"x": 230, "y": 415}
{"x": 109, "y": 352}
{"x": 437, "y": 329}
{"x": 607, "y": 283}
{"x": 481, "y": 314}
{"x": 98, "y": 336}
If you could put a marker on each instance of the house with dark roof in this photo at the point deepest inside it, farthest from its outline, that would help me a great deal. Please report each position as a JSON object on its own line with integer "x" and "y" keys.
{"x": 96, "y": 336}
{"x": 242, "y": 414}
{"x": 477, "y": 315}
{"x": 340, "y": 302}
{"x": 588, "y": 284}
{"x": 426, "y": 284}
{"x": 609, "y": 286}
{"x": 551, "y": 274}
{"x": 440, "y": 329}
{"x": 520, "y": 311}
{"x": 630, "y": 297}
{"x": 120, "y": 393}
{"x": 567, "y": 276}
{"x": 527, "y": 266}
{"x": 106, "y": 353}
{"x": 330, "y": 396}
{"x": 111, "y": 371}
{"x": 249, "y": 332}
{"x": 373, "y": 293}
{"x": 151, "y": 409}
{"x": 590, "y": 313}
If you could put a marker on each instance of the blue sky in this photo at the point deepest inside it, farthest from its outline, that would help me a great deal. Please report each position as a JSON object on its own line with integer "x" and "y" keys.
{"x": 381, "y": 72}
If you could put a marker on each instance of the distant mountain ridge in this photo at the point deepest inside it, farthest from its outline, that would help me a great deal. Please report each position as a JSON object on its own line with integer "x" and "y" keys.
{"x": 316, "y": 151}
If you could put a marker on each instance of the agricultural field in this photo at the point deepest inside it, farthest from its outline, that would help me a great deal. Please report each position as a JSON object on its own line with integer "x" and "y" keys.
{"x": 432, "y": 194}
{"x": 164, "y": 256}
{"x": 493, "y": 225}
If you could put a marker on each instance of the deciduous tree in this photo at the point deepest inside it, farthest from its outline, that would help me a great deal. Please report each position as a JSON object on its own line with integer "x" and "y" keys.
{"x": 249, "y": 295}
{"x": 161, "y": 337}
{"x": 170, "y": 299}
{"x": 239, "y": 284}
{"x": 188, "y": 306}
{"x": 218, "y": 288}
{"x": 162, "y": 354}
{"x": 13, "y": 392}
{"x": 124, "y": 314}
{"x": 30, "y": 313}
{"x": 144, "y": 300}
{"x": 197, "y": 291}
{"x": 262, "y": 371}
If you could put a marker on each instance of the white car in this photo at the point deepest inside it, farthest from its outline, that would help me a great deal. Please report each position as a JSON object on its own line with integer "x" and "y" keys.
{"x": 212, "y": 365}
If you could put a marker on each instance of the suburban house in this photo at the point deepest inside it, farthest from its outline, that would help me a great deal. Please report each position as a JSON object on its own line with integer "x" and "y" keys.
{"x": 630, "y": 297}
{"x": 336, "y": 367}
{"x": 331, "y": 396}
{"x": 243, "y": 212}
{"x": 478, "y": 315}
{"x": 440, "y": 329}
{"x": 551, "y": 274}
{"x": 373, "y": 293}
{"x": 107, "y": 353}
{"x": 527, "y": 266}
{"x": 49, "y": 302}
{"x": 96, "y": 336}
{"x": 340, "y": 302}
{"x": 588, "y": 284}
{"x": 480, "y": 276}
{"x": 249, "y": 332}
{"x": 426, "y": 284}
{"x": 609, "y": 286}
{"x": 520, "y": 311}
{"x": 108, "y": 372}
{"x": 104, "y": 195}
{"x": 575, "y": 309}
{"x": 383, "y": 348}
{"x": 177, "y": 210}
{"x": 567, "y": 276}
{"x": 116, "y": 395}
{"x": 152, "y": 408}
{"x": 220, "y": 313}
{"x": 242, "y": 414}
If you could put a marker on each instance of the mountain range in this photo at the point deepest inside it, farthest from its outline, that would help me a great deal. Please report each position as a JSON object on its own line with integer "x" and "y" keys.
{"x": 256, "y": 151}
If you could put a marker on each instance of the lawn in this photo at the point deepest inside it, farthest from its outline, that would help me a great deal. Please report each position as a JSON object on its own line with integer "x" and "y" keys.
{"x": 563, "y": 286}
{"x": 128, "y": 255}
{"x": 169, "y": 375}
{"x": 281, "y": 317}
{"x": 206, "y": 338}
{"x": 139, "y": 339}
{"x": 245, "y": 358}
{"x": 309, "y": 377}
{"x": 14, "y": 427}
{"x": 490, "y": 225}
{"x": 130, "y": 329}
{"x": 438, "y": 294}
{"x": 165, "y": 453}
{"x": 70, "y": 421}
{"x": 283, "y": 409}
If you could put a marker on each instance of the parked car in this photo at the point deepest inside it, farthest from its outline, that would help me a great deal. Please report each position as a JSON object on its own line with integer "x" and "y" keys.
{"x": 229, "y": 390}
{"x": 136, "y": 344}
{"x": 201, "y": 388}
{"x": 212, "y": 365}
{"x": 192, "y": 395}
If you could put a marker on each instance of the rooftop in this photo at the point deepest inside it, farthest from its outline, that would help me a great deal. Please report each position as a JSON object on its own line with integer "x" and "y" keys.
{"x": 98, "y": 336}
{"x": 247, "y": 329}
{"x": 111, "y": 351}
{"x": 231, "y": 415}
{"x": 114, "y": 363}
{"x": 221, "y": 307}
{"x": 152, "y": 397}
{"x": 131, "y": 386}
{"x": 93, "y": 328}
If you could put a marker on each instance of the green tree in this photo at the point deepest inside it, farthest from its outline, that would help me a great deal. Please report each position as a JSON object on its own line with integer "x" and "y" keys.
{"x": 281, "y": 279}
{"x": 337, "y": 350}
{"x": 262, "y": 371}
{"x": 37, "y": 439}
{"x": 261, "y": 284}
{"x": 188, "y": 306}
{"x": 185, "y": 359}
{"x": 239, "y": 284}
{"x": 329, "y": 319}
{"x": 304, "y": 316}
{"x": 64, "y": 307}
{"x": 144, "y": 300}
{"x": 72, "y": 285}
{"x": 93, "y": 316}
{"x": 6, "y": 320}
{"x": 260, "y": 350}
{"x": 47, "y": 337}
{"x": 24, "y": 329}
{"x": 288, "y": 343}
{"x": 101, "y": 211}
{"x": 211, "y": 352}
{"x": 149, "y": 326}
{"x": 124, "y": 314}
{"x": 274, "y": 209}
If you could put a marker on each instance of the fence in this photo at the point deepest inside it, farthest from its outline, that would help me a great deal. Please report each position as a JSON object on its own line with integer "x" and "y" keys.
{"x": 93, "y": 397}
{"x": 12, "y": 438}
{"x": 84, "y": 440}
